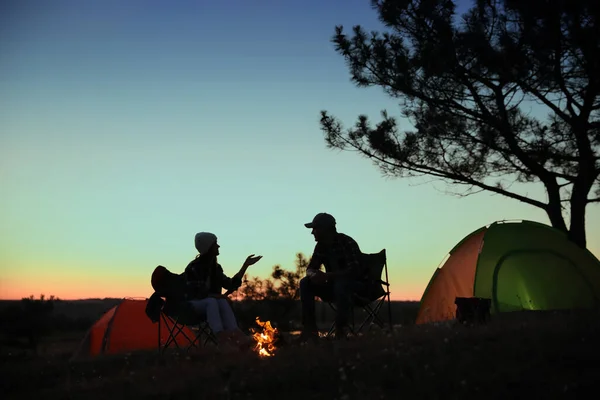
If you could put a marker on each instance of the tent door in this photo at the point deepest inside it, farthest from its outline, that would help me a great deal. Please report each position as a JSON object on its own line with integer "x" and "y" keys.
{"x": 539, "y": 280}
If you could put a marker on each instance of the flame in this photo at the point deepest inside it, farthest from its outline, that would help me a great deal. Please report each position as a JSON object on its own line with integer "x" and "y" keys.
{"x": 265, "y": 340}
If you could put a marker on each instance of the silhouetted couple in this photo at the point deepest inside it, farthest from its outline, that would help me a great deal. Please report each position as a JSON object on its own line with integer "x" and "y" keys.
{"x": 339, "y": 253}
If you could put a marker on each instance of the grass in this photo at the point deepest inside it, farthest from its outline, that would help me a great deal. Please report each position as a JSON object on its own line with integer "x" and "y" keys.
{"x": 517, "y": 355}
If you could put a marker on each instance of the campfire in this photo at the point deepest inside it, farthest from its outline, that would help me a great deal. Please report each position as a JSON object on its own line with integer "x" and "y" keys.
{"x": 265, "y": 338}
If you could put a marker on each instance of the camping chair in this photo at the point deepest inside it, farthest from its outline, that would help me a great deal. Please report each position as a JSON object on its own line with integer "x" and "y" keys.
{"x": 168, "y": 307}
{"x": 373, "y": 296}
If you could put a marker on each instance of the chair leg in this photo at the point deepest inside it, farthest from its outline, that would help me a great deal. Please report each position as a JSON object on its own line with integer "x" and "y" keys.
{"x": 389, "y": 301}
{"x": 389, "y": 298}
{"x": 376, "y": 318}
{"x": 332, "y": 327}
{"x": 171, "y": 330}
{"x": 194, "y": 341}
{"x": 351, "y": 326}
{"x": 159, "y": 336}
{"x": 205, "y": 330}
{"x": 371, "y": 317}
{"x": 176, "y": 329}
{"x": 373, "y": 314}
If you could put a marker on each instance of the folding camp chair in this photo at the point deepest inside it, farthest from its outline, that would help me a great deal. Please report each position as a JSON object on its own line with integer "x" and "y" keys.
{"x": 185, "y": 326}
{"x": 373, "y": 296}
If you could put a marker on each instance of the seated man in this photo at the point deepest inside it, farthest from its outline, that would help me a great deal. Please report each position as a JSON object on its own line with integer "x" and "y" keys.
{"x": 341, "y": 256}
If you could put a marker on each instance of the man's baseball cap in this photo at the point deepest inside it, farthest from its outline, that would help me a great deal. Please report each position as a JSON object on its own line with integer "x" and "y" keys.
{"x": 321, "y": 220}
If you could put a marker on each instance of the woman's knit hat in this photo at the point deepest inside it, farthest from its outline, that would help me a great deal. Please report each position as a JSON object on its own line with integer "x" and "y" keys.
{"x": 203, "y": 241}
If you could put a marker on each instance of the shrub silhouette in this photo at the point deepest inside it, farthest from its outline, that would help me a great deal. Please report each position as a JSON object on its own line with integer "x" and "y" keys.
{"x": 29, "y": 319}
{"x": 274, "y": 298}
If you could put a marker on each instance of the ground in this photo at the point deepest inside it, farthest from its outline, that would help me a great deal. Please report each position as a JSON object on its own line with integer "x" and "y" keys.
{"x": 524, "y": 355}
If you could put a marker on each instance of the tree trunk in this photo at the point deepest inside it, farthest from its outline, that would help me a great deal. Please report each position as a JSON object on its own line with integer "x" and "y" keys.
{"x": 577, "y": 227}
{"x": 554, "y": 212}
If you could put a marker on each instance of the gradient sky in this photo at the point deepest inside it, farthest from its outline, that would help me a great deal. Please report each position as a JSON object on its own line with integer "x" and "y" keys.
{"x": 128, "y": 126}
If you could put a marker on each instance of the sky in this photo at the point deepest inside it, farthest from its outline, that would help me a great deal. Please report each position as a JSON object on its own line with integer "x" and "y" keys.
{"x": 128, "y": 126}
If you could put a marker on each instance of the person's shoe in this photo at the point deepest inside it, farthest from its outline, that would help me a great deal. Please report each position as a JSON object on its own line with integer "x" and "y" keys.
{"x": 237, "y": 339}
{"x": 225, "y": 343}
{"x": 246, "y": 343}
{"x": 228, "y": 348}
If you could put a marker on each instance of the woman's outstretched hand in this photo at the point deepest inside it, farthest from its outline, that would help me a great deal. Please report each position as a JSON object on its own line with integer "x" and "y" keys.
{"x": 251, "y": 260}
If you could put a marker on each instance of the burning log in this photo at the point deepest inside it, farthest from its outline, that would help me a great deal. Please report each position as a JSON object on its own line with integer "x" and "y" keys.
{"x": 267, "y": 339}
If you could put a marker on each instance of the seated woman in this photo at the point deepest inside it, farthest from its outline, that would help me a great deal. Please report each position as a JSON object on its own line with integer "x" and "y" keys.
{"x": 205, "y": 280}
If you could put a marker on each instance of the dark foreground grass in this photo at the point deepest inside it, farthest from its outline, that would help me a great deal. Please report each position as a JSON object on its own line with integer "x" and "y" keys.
{"x": 524, "y": 355}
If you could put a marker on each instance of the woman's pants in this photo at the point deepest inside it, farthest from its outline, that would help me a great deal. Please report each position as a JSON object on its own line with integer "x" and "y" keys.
{"x": 219, "y": 314}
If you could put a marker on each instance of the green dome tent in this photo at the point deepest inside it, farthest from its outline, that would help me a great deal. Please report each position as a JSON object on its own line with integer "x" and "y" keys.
{"x": 521, "y": 265}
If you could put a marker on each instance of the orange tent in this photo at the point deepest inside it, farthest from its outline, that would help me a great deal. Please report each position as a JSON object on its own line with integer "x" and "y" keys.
{"x": 125, "y": 328}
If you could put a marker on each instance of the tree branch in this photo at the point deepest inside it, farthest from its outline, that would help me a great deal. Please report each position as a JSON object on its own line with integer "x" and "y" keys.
{"x": 455, "y": 177}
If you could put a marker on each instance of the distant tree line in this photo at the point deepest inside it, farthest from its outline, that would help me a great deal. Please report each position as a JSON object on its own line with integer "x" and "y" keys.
{"x": 25, "y": 323}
